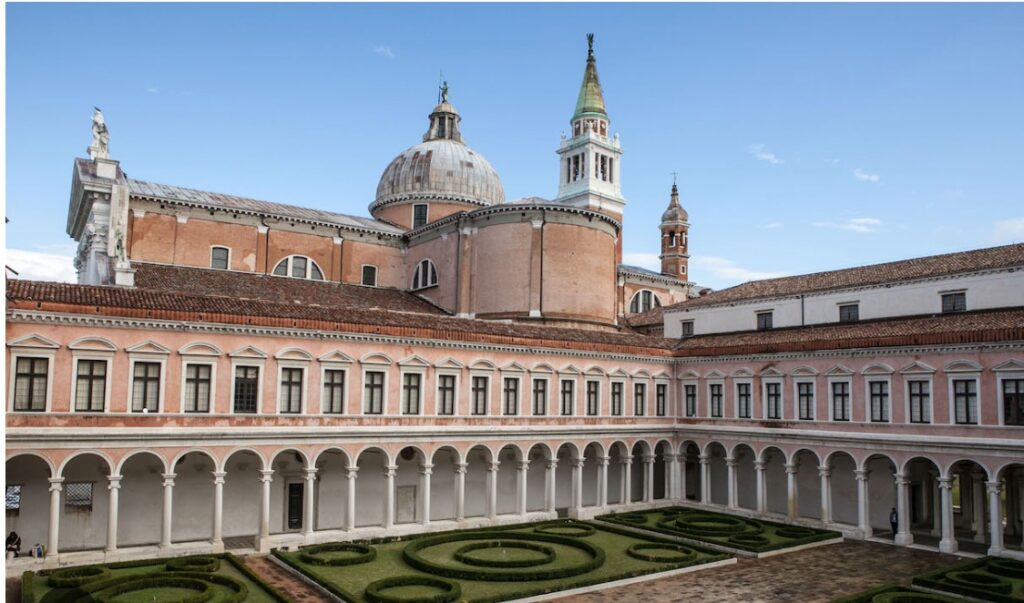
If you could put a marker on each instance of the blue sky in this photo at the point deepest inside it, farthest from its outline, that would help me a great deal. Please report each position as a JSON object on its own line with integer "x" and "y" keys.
{"x": 806, "y": 137}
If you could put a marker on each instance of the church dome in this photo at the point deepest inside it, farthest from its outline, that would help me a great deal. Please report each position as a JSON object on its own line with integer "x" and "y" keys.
{"x": 440, "y": 168}
{"x": 675, "y": 212}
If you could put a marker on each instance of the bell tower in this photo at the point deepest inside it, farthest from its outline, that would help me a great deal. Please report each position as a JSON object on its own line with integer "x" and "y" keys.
{"x": 675, "y": 229}
{"x": 589, "y": 160}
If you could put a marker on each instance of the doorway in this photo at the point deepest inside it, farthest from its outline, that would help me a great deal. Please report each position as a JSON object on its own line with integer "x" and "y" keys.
{"x": 293, "y": 518}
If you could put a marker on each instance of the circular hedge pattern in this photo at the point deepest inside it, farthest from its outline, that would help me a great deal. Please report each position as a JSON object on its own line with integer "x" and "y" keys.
{"x": 749, "y": 540}
{"x": 635, "y": 518}
{"x": 677, "y": 553}
{"x": 203, "y": 590}
{"x": 450, "y": 591}
{"x": 363, "y": 554}
{"x": 76, "y": 576}
{"x": 1007, "y": 568}
{"x": 463, "y": 555}
{"x": 908, "y": 597}
{"x": 794, "y": 532}
{"x": 709, "y": 525}
{"x": 980, "y": 580}
{"x": 412, "y": 554}
{"x": 573, "y": 530}
{"x": 193, "y": 564}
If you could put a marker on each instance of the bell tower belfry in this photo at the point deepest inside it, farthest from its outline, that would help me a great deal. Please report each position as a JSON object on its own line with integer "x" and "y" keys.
{"x": 589, "y": 160}
{"x": 675, "y": 230}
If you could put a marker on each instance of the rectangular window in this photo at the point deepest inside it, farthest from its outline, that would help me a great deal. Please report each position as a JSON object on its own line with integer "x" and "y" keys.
{"x": 219, "y": 258}
{"x": 617, "y": 399}
{"x": 198, "y": 387}
{"x": 78, "y": 496}
{"x": 743, "y": 400}
{"x": 841, "y": 401}
{"x": 373, "y": 393}
{"x": 419, "y": 215}
{"x": 13, "y": 498}
{"x": 247, "y": 382}
{"x": 716, "y": 400}
{"x": 965, "y": 401}
{"x": 511, "y": 396}
{"x": 333, "y": 401}
{"x": 479, "y": 395}
{"x": 146, "y": 387}
{"x": 291, "y": 390}
{"x": 369, "y": 276}
{"x": 540, "y": 397}
{"x": 639, "y": 399}
{"x": 30, "y": 379}
{"x": 954, "y": 302}
{"x": 849, "y": 313}
{"x": 91, "y": 385}
{"x": 691, "y": 400}
{"x": 687, "y": 328}
{"x": 805, "y": 401}
{"x": 920, "y": 401}
{"x": 878, "y": 392}
{"x": 411, "y": 383}
{"x": 568, "y": 392}
{"x": 1013, "y": 401}
{"x": 764, "y": 321}
{"x": 660, "y": 396}
{"x": 773, "y": 398}
{"x": 446, "y": 394}
{"x": 593, "y": 397}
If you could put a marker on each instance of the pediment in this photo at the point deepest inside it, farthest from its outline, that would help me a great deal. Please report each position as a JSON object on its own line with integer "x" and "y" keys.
{"x": 570, "y": 369}
{"x": 482, "y": 365}
{"x": 962, "y": 366}
{"x": 641, "y": 374}
{"x": 376, "y": 358}
{"x": 715, "y": 374}
{"x": 147, "y": 347}
{"x": 1010, "y": 365}
{"x": 450, "y": 363}
{"x": 771, "y": 371}
{"x": 662, "y": 375}
{"x": 93, "y": 344}
{"x": 917, "y": 367}
{"x": 293, "y": 354}
{"x": 878, "y": 368}
{"x": 742, "y": 372}
{"x": 414, "y": 360}
{"x": 337, "y": 356}
{"x": 804, "y": 371}
{"x": 513, "y": 367}
{"x": 542, "y": 368}
{"x": 248, "y": 352}
{"x": 595, "y": 370}
{"x": 839, "y": 370}
{"x": 33, "y": 340}
{"x": 200, "y": 348}
{"x": 689, "y": 374}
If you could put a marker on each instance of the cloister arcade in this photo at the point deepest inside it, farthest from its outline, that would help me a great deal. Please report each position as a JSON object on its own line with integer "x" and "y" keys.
{"x": 116, "y": 500}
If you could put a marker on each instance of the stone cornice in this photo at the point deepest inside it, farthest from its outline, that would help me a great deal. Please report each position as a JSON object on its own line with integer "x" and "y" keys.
{"x": 852, "y": 353}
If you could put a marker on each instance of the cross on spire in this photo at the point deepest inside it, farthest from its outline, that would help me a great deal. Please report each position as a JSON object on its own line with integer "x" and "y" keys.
{"x": 673, "y": 177}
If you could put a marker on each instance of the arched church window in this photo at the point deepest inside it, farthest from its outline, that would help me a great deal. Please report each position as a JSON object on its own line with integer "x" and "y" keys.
{"x": 643, "y": 301}
{"x": 425, "y": 275}
{"x": 299, "y": 266}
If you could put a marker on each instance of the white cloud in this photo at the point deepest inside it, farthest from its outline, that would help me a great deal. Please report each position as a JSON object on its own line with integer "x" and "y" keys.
{"x": 152, "y": 90}
{"x": 863, "y": 176}
{"x": 649, "y": 261}
{"x": 39, "y": 266}
{"x": 728, "y": 272}
{"x": 757, "y": 150}
{"x": 862, "y": 225}
{"x": 384, "y": 51}
{"x": 773, "y": 225}
{"x": 1008, "y": 231}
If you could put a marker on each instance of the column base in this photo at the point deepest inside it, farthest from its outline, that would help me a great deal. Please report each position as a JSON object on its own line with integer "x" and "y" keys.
{"x": 904, "y": 539}
{"x": 110, "y": 549}
{"x": 866, "y": 533}
{"x": 217, "y": 546}
{"x": 994, "y": 551}
{"x": 948, "y": 546}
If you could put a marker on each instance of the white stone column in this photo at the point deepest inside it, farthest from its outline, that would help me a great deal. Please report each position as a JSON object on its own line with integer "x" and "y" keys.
{"x": 730, "y": 473}
{"x": 978, "y": 505}
{"x": 492, "y": 489}
{"x": 995, "y": 515}
{"x": 602, "y": 480}
{"x": 903, "y": 535}
{"x": 948, "y": 543}
{"x": 791, "y": 492}
{"x": 389, "y": 496}
{"x": 522, "y": 476}
{"x": 350, "y": 503}
{"x": 825, "y": 473}
{"x": 114, "y": 486}
{"x": 56, "y": 485}
{"x": 648, "y": 477}
{"x": 681, "y": 490}
{"x": 577, "y": 483}
{"x": 627, "y": 480}
{"x": 549, "y": 491}
{"x": 936, "y": 501}
{"x": 460, "y": 491}
{"x": 426, "y": 470}
{"x": 218, "y": 511}
{"x": 863, "y": 516}
{"x": 309, "y": 521}
{"x": 761, "y": 500}
{"x": 263, "y": 539}
{"x": 670, "y": 476}
{"x": 705, "y": 479}
{"x": 165, "y": 528}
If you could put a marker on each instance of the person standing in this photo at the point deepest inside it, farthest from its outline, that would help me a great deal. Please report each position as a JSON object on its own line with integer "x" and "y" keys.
{"x": 894, "y": 521}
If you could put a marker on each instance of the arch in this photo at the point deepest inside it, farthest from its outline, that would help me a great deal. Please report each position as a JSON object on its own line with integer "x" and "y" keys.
{"x": 542, "y": 367}
{"x": 799, "y": 451}
{"x": 962, "y": 366}
{"x": 93, "y": 343}
{"x": 376, "y": 358}
{"x": 482, "y": 364}
{"x": 166, "y": 468}
{"x": 11, "y": 455}
{"x": 303, "y": 457}
{"x": 706, "y": 450}
{"x": 1000, "y": 471}
{"x": 200, "y": 348}
{"x": 298, "y": 266}
{"x": 515, "y": 448}
{"x": 81, "y": 453}
{"x": 30, "y": 473}
{"x": 193, "y": 496}
{"x": 293, "y": 353}
{"x": 571, "y": 447}
{"x": 425, "y": 275}
{"x": 417, "y": 453}
{"x": 259, "y": 456}
{"x": 950, "y": 466}
{"x": 644, "y": 300}
{"x": 765, "y": 452}
{"x": 598, "y": 448}
{"x": 877, "y": 368}
{"x": 620, "y": 446}
{"x": 321, "y": 455}
{"x": 874, "y": 456}
{"x": 373, "y": 448}
{"x": 449, "y": 448}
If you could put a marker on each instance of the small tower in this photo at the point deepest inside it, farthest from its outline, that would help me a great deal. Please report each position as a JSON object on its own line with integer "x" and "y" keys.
{"x": 589, "y": 160}
{"x": 674, "y": 239}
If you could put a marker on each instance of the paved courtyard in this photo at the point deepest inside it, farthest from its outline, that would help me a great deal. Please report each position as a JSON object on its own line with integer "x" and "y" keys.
{"x": 814, "y": 575}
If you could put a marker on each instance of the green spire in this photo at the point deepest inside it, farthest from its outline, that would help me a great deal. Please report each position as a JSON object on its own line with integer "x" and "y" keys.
{"x": 591, "y": 99}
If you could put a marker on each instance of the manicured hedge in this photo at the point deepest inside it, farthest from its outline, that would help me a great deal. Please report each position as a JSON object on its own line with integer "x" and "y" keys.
{"x": 451, "y": 591}
{"x": 975, "y": 579}
{"x": 204, "y": 590}
{"x": 682, "y": 555}
{"x": 193, "y": 564}
{"x": 571, "y": 529}
{"x": 365, "y": 553}
{"x": 69, "y": 577}
{"x": 891, "y": 593}
{"x": 462, "y": 554}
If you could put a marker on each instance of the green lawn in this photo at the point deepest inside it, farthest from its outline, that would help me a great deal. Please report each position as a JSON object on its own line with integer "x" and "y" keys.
{"x": 990, "y": 579}
{"x": 493, "y": 564}
{"x": 150, "y": 581}
{"x": 754, "y": 535}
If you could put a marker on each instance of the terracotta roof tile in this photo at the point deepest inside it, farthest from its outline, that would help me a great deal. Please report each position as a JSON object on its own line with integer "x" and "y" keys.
{"x": 936, "y": 265}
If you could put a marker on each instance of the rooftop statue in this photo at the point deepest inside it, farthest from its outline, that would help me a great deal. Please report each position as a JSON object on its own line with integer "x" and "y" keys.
{"x": 100, "y": 147}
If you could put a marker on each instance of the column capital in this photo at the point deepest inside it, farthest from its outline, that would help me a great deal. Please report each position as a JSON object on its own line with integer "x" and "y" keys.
{"x": 114, "y": 482}
{"x": 862, "y": 475}
{"x": 390, "y": 470}
{"x": 578, "y": 463}
{"x": 493, "y": 465}
{"x": 604, "y": 460}
{"x": 350, "y": 472}
{"x": 523, "y": 465}
{"x": 705, "y": 459}
{"x": 310, "y": 473}
{"x": 792, "y": 467}
{"x": 552, "y": 463}
{"x": 825, "y": 471}
{"x": 461, "y": 467}
{"x": 946, "y": 483}
{"x": 626, "y": 459}
{"x": 649, "y": 458}
{"x": 218, "y": 476}
{"x": 266, "y": 475}
{"x": 56, "y": 484}
{"x": 760, "y": 465}
{"x": 731, "y": 461}
{"x": 994, "y": 487}
{"x": 901, "y": 479}
{"x": 426, "y": 468}
{"x": 169, "y": 478}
